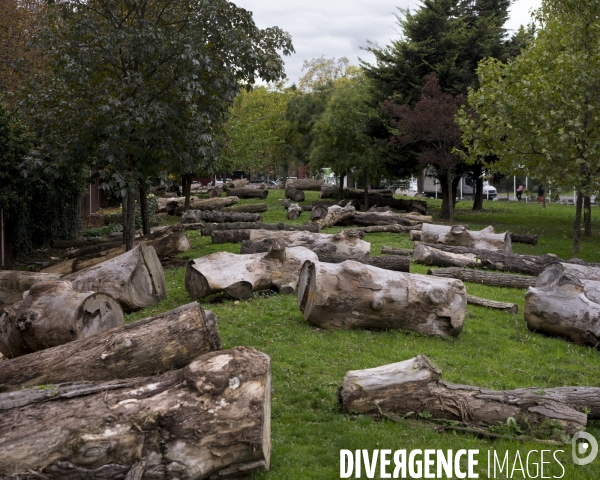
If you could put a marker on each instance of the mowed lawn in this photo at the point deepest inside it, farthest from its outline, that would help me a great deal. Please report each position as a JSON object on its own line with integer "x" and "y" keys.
{"x": 495, "y": 350}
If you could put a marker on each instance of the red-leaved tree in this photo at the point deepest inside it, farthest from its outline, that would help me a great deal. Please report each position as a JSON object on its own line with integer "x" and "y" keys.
{"x": 431, "y": 128}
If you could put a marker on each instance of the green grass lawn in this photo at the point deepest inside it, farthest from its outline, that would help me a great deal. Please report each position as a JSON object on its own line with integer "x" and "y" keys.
{"x": 495, "y": 350}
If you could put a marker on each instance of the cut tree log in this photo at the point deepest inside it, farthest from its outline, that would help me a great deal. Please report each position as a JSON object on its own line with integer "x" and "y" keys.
{"x": 53, "y": 313}
{"x": 210, "y": 419}
{"x": 328, "y": 253}
{"x": 218, "y": 216}
{"x": 166, "y": 242}
{"x": 335, "y": 214}
{"x": 396, "y": 251}
{"x": 248, "y": 193}
{"x": 484, "y": 302}
{"x": 214, "y": 229}
{"x": 530, "y": 239}
{"x": 450, "y": 256}
{"x": 566, "y": 303}
{"x": 250, "y": 208}
{"x": 135, "y": 279}
{"x": 287, "y": 203}
{"x": 387, "y": 218}
{"x": 240, "y": 275}
{"x": 294, "y": 211}
{"x": 418, "y": 206}
{"x": 214, "y": 192}
{"x": 352, "y": 295}
{"x": 318, "y": 212}
{"x": 484, "y": 278}
{"x": 458, "y": 235}
{"x": 415, "y": 386}
{"x": 293, "y": 194}
{"x": 147, "y": 347}
{"x": 388, "y": 228}
{"x": 14, "y": 283}
{"x": 306, "y": 184}
{"x": 162, "y": 204}
{"x": 329, "y": 191}
{"x": 238, "y": 183}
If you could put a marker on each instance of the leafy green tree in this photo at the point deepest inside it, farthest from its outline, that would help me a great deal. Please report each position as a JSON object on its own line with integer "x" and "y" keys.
{"x": 540, "y": 111}
{"x": 140, "y": 88}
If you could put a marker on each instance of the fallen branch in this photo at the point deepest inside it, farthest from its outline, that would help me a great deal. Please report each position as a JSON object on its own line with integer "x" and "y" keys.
{"x": 484, "y": 302}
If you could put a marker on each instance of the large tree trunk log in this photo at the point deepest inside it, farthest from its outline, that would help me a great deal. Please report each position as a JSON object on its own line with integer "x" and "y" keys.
{"x": 388, "y": 228}
{"x": 214, "y": 229}
{"x": 166, "y": 243}
{"x": 325, "y": 203}
{"x": 293, "y": 194}
{"x": 336, "y": 214}
{"x": 215, "y": 192}
{"x": 247, "y": 193}
{"x": 566, "y": 302}
{"x": 328, "y": 253}
{"x": 250, "y": 208}
{"x": 135, "y": 279}
{"x": 484, "y": 302}
{"x": 415, "y": 386}
{"x": 484, "y": 278}
{"x": 318, "y": 212}
{"x": 240, "y": 275}
{"x": 14, "y": 283}
{"x": 238, "y": 183}
{"x": 152, "y": 346}
{"x": 396, "y": 251}
{"x": 530, "y": 239}
{"x": 294, "y": 211}
{"x": 219, "y": 216}
{"x": 53, "y": 313}
{"x": 458, "y": 235}
{"x": 449, "y": 256}
{"x": 350, "y": 295}
{"x": 329, "y": 191}
{"x": 306, "y": 184}
{"x": 371, "y": 218}
{"x": 209, "y": 420}
{"x": 196, "y": 203}
{"x": 418, "y": 206}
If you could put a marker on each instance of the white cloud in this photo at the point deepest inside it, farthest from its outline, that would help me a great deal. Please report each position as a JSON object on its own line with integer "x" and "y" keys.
{"x": 335, "y": 29}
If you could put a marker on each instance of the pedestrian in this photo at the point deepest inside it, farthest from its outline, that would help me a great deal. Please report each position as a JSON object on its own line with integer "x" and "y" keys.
{"x": 519, "y": 191}
{"x": 541, "y": 193}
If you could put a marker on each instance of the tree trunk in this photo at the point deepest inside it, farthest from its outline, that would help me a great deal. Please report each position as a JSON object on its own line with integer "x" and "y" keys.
{"x": 129, "y": 220}
{"x": 452, "y": 197}
{"x": 352, "y": 295}
{"x": 396, "y": 251}
{"x": 135, "y": 279}
{"x": 144, "y": 208}
{"x": 366, "y": 188}
{"x": 14, "y": 283}
{"x": 484, "y": 278}
{"x": 388, "y": 218}
{"x": 252, "y": 208}
{"x": 328, "y": 191}
{"x": 577, "y": 226}
{"x": 318, "y": 212}
{"x": 395, "y": 228}
{"x": 215, "y": 192}
{"x": 307, "y": 184}
{"x": 478, "y": 196}
{"x": 335, "y": 214}
{"x": 294, "y": 211}
{"x": 218, "y": 216}
{"x": 147, "y": 347}
{"x": 239, "y": 183}
{"x": 247, "y": 193}
{"x": 484, "y": 302}
{"x": 458, "y": 235}
{"x": 196, "y": 203}
{"x": 449, "y": 256}
{"x": 529, "y": 239}
{"x": 587, "y": 216}
{"x": 240, "y": 275}
{"x": 566, "y": 303}
{"x": 210, "y": 419}
{"x": 414, "y": 386}
{"x": 293, "y": 194}
{"x": 210, "y": 230}
{"x": 54, "y": 313}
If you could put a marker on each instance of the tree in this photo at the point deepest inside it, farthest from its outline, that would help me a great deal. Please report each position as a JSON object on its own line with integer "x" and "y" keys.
{"x": 539, "y": 111}
{"x": 141, "y": 88}
{"x": 322, "y": 71}
{"x": 432, "y": 125}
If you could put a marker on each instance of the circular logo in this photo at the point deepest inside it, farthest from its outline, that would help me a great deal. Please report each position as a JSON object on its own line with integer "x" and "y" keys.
{"x": 583, "y": 447}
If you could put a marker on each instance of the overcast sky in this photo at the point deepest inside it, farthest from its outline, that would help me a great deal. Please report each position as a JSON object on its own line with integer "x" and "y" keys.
{"x": 337, "y": 28}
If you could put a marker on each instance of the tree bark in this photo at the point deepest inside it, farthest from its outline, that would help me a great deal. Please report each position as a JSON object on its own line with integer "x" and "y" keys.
{"x": 478, "y": 196}
{"x": 144, "y": 208}
{"x": 307, "y": 184}
{"x": 336, "y": 214}
{"x": 458, "y": 235}
{"x": 14, "y": 283}
{"x": 54, "y": 313}
{"x": 450, "y": 256}
{"x": 128, "y": 220}
{"x": 415, "y": 386}
{"x": 484, "y": 278}
{"x": 293, "y": 194}
{"x": 294, "y": 211}
{"x": 484, "y": 302}
{"x": 587, "y": 216}
{"x": 212, "y": 229}
{"x": 219, "y": 216}
{"x": 240, "y": 275}
{"x": 187, "y": 190}
{"x": 247, "y": 193}
{"x": 396, "y": 251}
{"x": 147, "y": 347}
{"x": 577, "y": 226}
{"x": 251, "y": 208}
{"x": 210, "y": 419}
{"x": 352, "y": 295}
{"x": 135, "y": 279}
